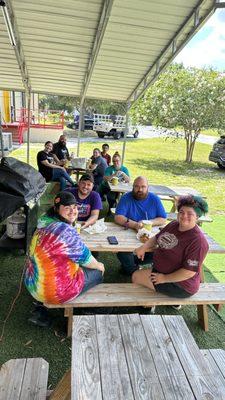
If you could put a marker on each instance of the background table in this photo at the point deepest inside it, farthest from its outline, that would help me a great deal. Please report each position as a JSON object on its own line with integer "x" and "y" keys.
{"x": 160, "y": 190}
{"x": 127, "y": 240}
{"x": 141, "y": 357}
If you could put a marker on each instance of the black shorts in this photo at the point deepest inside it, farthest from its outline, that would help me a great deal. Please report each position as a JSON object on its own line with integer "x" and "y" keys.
{"x": 171, "y": 289}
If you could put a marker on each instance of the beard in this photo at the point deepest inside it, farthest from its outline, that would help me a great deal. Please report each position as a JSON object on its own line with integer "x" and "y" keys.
{"x": 139, "y": 195}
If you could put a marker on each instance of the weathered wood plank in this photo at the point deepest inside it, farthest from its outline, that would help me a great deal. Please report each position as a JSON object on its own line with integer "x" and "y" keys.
{"x": 142, "y": 371}
{"x": 215, "y": 370}
{"x": 219, "y": 357}
{"x": 85, "y": 361}
{"x": 115, "y": 378}
{"x": 24, "y": 379}
{"x": 11, "y": 379}
{"x": 35, "y": 379}
{"x": 203, "y": 383}
{"x": 170, "y": 372}
{"x": 125, "y": 294}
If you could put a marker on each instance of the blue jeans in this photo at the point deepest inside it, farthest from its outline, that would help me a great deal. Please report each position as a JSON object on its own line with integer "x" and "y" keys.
{"x": 130, "y": 262}
{"x": 59, "y": 175}
{"x": 92, "y": 277}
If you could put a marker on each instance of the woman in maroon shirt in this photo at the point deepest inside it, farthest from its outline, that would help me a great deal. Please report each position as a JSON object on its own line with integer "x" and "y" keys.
{"x": 178, "y": 252}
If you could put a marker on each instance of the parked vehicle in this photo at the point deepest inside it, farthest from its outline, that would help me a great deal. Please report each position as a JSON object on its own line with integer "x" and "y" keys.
{"x": 217, "y": 154}
{"x": 112, "y": 125}
{"x": 88, "y": 123}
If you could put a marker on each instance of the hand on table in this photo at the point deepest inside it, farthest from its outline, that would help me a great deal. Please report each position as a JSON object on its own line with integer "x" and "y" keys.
{"x": 157, "y": 278}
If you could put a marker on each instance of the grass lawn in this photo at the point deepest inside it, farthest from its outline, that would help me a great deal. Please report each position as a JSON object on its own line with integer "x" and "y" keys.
{"x": 162, "y": 162}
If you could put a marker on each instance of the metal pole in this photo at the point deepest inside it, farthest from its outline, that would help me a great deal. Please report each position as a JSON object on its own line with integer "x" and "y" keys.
{"x": 80, "y": 128}
{"x": 126, "y": 132}
{"x": 1, "y": 135}
{"x": 28, "y": 127}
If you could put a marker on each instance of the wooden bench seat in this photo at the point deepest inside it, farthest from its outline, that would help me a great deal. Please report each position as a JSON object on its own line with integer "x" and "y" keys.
{"x": 131, "y": 295}
{"x": 24, "y": 379}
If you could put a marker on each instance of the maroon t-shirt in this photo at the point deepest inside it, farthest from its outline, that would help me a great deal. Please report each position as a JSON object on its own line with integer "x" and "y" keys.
{"x": 107, "y": 157}
{"x": 181, "y": 250}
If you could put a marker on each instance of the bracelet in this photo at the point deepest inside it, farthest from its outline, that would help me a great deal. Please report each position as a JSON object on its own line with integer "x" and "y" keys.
{"x": 126, "y": 224}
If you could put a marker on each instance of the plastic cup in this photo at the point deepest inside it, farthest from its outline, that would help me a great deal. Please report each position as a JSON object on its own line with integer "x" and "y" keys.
{"x": 115, "y": 181}
{"x": 78, "y": 228}
{"x": 147, "y": 225}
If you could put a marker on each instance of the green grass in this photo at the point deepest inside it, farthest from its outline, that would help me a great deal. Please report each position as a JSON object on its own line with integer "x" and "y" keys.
{"x": 162, "y": 162}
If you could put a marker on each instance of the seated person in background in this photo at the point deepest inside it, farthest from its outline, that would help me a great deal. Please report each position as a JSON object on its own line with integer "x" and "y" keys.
{"x": 179, "y": 251}
{"x": 60, "y": 266}
{"x": 98, "y": 166}
{"x": 116, "y": 170}
{"x": 61, "y": 151}
{"x": 104, "y": 153}
{"x": 88, "y": 201}
{"x": 133, "y": 208}
{"x": 49, "y": 169}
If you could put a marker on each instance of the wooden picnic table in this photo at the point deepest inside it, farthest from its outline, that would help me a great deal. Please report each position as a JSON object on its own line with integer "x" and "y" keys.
{"x": 127, "y": 240}
{"x": 142, "y": 357}
{"x": 160, "y": 190}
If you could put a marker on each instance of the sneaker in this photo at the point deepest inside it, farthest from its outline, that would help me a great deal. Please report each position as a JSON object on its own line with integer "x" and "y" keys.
{"x": 176, "y": 307}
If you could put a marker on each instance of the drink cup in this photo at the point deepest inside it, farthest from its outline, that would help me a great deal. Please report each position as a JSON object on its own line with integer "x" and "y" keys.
{"x": 114, "y": 181}
{"x": 147, "y": 225}
{"x": 78, "y": 227}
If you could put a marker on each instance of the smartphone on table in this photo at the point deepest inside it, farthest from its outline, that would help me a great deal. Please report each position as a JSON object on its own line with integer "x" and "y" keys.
{"x": 112, "y": 239}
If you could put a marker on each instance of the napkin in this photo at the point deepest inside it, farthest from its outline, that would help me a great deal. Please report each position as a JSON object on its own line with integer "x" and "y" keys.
{"x": 98, "y": 227}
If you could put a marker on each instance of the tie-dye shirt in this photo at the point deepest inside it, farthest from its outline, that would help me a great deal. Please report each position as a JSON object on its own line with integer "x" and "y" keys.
{"x": 53, "y": 274}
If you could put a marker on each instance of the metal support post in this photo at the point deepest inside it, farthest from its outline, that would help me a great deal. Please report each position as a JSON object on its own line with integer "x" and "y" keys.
{"x": 80, "y": 129}
{"x": 28, "y": 128}
{"x": 126, "y": 132}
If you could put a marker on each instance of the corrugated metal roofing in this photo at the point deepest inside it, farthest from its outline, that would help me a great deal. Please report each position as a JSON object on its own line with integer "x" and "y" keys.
{"x": 103, "y": 49}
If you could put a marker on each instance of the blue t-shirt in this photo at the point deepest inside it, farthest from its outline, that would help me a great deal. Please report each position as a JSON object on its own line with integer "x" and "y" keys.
{"x": 149, "y": 208}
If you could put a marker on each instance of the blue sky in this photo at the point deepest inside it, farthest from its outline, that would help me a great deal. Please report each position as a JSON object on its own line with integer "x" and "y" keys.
{"x": 207, "y": 48}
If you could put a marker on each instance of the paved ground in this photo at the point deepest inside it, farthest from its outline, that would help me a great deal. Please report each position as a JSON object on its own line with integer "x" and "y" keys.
{"x": 145, "y": 132}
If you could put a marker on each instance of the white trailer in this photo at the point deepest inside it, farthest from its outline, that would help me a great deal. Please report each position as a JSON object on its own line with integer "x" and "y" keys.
{"x": 112, "y": 125}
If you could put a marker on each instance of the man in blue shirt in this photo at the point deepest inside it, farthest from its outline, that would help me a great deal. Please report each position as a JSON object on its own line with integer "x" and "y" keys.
{"x": 133, "y": 208}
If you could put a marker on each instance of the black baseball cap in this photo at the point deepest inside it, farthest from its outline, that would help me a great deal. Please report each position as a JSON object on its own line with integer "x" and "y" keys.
{"x": 64, "y": 199}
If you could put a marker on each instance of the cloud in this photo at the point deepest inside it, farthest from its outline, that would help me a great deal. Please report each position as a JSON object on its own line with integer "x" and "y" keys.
{"x": 207, "y": 48}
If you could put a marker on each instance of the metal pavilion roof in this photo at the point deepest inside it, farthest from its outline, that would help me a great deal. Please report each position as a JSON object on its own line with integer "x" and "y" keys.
{"x": 109, "y": 49}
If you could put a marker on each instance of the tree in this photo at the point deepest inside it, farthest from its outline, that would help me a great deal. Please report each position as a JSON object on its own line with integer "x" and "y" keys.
{"x": 190, "y": 98}
{"x": 52, "y": 102}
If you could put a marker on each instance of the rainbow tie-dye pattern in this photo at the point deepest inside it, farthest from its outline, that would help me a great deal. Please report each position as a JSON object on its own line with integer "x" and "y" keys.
{"x": 53, "y": 274}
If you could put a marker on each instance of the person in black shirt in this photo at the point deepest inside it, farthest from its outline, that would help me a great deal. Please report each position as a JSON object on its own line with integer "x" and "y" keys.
{"x": 49, "y": 169}
{"x": 61, "y": 151}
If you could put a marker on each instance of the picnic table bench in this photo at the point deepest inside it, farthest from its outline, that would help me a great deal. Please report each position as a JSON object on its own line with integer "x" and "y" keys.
{"x": 131, "y": 295}
{"x": 142, "y": 357}
{"x": 24, "y": 379}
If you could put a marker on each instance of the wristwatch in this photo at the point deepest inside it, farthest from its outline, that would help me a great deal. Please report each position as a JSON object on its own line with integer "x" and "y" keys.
{"x": 126, "y": 224}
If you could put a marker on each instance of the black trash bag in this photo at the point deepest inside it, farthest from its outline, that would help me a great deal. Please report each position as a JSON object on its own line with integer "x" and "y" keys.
{"x": 19, "y": 178}
{"x": 20, "y": 182}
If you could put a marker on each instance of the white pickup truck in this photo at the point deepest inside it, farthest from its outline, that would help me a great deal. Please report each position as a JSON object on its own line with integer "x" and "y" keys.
{"x": 112, "y": 125}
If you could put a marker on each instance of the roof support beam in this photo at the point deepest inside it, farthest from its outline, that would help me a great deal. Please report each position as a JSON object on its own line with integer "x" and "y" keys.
{"x": 14, "y": 38}
{"x": 106, "y": 10}
{"x": 172, "y": 49}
